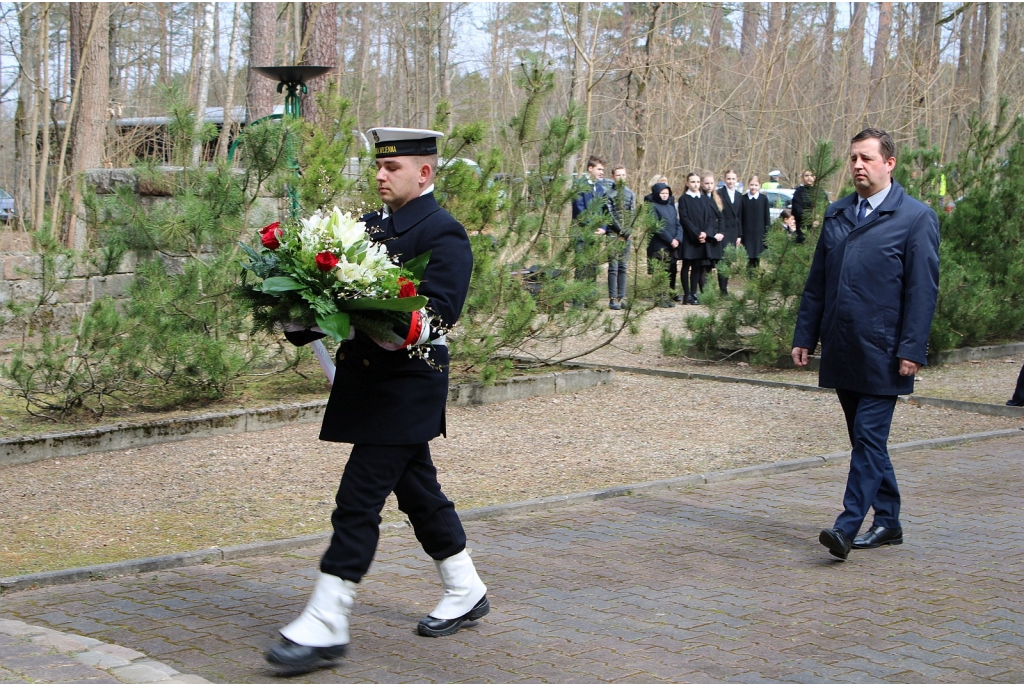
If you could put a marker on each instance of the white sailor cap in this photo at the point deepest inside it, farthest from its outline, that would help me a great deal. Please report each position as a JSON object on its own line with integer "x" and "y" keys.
{"x": 775, "y": 172}
{"x": 400, "y": 142}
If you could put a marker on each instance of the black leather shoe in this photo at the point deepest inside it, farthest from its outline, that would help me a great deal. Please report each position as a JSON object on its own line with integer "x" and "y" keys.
{"x": 437, "y": 627}
{"x": 876, "y": 536}
{"x": 692, "y": 299}
{"x": 677, "y": 298}
{"x": 838, "y": 544}
{"x": 300, "y": 658}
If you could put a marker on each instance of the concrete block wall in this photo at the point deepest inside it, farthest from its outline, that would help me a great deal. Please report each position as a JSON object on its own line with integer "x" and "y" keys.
{"x": 21, "y": 265}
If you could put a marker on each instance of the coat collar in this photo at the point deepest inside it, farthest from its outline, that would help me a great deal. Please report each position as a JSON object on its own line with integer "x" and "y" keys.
{"x": 848, "y": 206}
{"x": 413, "y": 212}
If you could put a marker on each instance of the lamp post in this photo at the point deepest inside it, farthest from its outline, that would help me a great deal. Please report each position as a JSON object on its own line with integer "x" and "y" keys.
{"x": 291, "y": 80}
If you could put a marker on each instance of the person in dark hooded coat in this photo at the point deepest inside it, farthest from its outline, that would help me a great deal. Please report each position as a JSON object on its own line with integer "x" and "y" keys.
{"x": 666, "y": 238}
{"x": 869, "y": 298}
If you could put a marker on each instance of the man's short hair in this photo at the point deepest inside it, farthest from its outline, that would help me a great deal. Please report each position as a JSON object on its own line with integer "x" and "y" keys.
{"x": 594, "y": 161}
{"x": 885, "y": 141}
{"x": 617, "y": 167}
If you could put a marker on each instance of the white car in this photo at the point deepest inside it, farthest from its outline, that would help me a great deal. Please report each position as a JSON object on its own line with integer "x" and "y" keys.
{"x": 778, "y": 199}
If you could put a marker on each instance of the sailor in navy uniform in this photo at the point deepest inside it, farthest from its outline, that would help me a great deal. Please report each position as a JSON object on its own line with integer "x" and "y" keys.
{"x": 390, "y": 404}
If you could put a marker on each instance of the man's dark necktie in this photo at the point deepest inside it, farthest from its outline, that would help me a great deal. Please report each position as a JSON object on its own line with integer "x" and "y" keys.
{"x": 863, "y": 210}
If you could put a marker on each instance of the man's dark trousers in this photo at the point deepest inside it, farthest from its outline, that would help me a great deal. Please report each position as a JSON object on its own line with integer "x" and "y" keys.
{"x": 872, "y": 481}
{"x": 371, "y": 474}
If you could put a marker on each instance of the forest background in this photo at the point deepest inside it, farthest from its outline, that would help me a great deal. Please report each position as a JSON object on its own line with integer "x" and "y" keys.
{"x": 529, "y": 90}
{"x": 664, "y": 87}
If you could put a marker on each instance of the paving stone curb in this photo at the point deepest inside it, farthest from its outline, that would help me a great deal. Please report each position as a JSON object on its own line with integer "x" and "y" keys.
{"x": 958, "y": 405}
{"x": 126, "y": 665}
{"x": 966, "y": 354}
{"x": 24, "y": 450}
{"x": 214, "y": 554}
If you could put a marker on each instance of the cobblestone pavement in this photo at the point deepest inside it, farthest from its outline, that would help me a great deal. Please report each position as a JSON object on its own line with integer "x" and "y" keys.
{"x": 726, "y": 582}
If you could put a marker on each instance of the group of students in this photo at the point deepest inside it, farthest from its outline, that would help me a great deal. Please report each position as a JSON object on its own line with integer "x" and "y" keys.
{"x": 695, "y": 230}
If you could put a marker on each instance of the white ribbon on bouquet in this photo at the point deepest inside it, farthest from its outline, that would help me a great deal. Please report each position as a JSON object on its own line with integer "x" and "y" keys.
{"x": 324, "y": 357}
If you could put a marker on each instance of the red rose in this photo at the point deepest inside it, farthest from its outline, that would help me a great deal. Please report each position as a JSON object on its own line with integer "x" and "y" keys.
{"x": 270, "y": 234}
{"x": 406, "y": 288}
{"x": 325, "y": 261}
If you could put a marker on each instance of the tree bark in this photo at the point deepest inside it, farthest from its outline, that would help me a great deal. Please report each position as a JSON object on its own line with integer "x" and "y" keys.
{"x": 715, "y": 26}
{"x": 320, "y": 48}
{"x": 229, "y": 87}
{"x": 261, "y": 93}
{"x": 828, "y": 41}
{"x": 990, "y": 63}
{"x": 204, "y": 63}
{"x": 855, "y": 50}
{"x": 26, "y": 119}
{"x": 880, "y": 54}
{"x": 90, "y": 102}
{"x": 748, "y": 34}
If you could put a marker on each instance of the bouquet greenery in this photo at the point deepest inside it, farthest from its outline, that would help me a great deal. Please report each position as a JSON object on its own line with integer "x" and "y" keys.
{"x": 326, "y": 272}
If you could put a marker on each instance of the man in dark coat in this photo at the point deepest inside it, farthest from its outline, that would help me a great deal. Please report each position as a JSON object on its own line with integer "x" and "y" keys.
{"x": 593, "y": 192}
{"x": 390, "y": 404}
{"x": 869, "y": 298}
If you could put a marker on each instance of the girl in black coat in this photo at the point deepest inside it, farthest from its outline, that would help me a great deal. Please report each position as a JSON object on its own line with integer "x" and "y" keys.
{"x": 732, "y": 218}
{"x": 666, "y": 238}
{"x": 693, "y": 215}
{"x": 757, "y": 217}
{"x": 714, "y": 247}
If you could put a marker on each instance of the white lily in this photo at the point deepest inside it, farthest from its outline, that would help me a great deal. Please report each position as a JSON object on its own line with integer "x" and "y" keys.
{"x": 345, "y": 228}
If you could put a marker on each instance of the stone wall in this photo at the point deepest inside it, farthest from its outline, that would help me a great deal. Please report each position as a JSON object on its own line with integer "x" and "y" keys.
{"x": 21, "y": 264}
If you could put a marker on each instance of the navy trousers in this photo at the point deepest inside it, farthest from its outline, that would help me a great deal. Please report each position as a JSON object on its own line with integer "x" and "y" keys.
{"x": 371, "y": 474}
{"x": 872, "y": 481}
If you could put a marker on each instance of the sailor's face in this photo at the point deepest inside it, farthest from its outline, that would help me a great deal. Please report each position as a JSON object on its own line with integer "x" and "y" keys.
{"x": 401, "y": 179}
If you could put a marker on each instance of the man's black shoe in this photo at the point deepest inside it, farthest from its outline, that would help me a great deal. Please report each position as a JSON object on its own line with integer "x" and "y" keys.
{"x": 677, "y": 298}
{"x": 876, "y": 536}
{"x": 838, "y": 544}
{"x": 692, "y": 299}
{"x": 437, "y": 627}
{"x": 302, "y": 659}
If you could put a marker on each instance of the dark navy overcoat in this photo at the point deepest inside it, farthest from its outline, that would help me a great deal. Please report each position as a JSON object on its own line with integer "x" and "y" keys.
{"x": 389, "y": 398}
{"x": 871, "y": 293}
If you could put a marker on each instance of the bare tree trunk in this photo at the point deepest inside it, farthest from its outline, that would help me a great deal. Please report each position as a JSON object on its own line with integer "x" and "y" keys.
{"x": 1010, "y": 72}
{"x": 715, "y": 27}
{"x": 642, "y": 78}
{"x": 42, "y": 99}
{"x": 261, "y": 93}
{"x": 828, "y": 41}
{"x": 165, "y": 52}
{"x": 855, "y": 51}
{"x": 90, "y": 102}
{"x": 990, "y": 63}
{"x": 319, "y": 31}
{"x": 748, "y": 36}
{"x": 444, "y": 49}
{"x": 577, "y": 85}
{"x": 229, "y": 88}
{"x": 880, "y": 53}
{"x": 26, "y": 119}
{"x": 204, "y": 64}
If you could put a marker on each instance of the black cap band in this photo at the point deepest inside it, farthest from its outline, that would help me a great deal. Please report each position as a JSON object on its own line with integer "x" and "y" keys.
{"x": 403, "y": 148}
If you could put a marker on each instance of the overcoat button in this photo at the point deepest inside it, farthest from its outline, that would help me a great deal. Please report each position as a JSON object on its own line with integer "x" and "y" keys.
{"x": 341, "y": 356}
{"x": 366, "y": 362}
